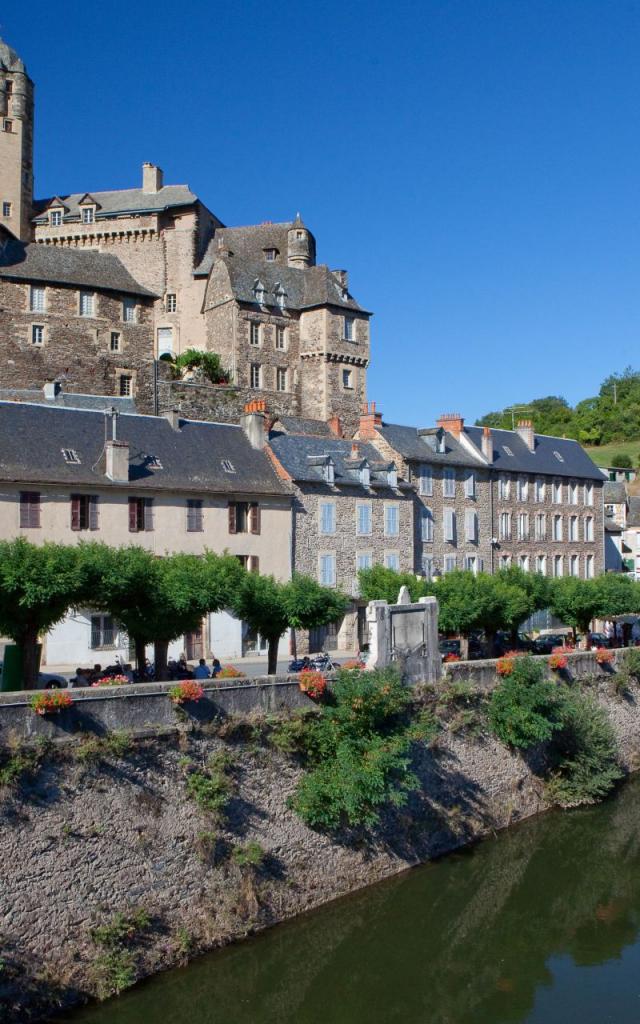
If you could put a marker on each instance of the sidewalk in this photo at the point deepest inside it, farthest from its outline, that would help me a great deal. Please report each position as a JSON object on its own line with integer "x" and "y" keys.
{"x": 251, "y": 665}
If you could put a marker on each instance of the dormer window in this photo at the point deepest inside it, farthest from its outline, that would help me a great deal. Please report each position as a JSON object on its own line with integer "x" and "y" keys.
{"x": 365, "y": 475}
{"x": 270, "y": 255}
{"x": 280, "y": 296}
{"x": 328, "y": 472}
{"x": 88, "y": 214}
{"x": 258, "y": 291}
{"x": 392, "y": 477}
{"x": 56, "y": 218}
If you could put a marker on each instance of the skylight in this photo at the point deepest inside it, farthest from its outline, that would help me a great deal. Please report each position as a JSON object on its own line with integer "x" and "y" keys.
{"x": 70, "y": 455}
{"x": 558, "y": 456}
{"x": 227, "y": 466}
{"x": 507, "y": 449}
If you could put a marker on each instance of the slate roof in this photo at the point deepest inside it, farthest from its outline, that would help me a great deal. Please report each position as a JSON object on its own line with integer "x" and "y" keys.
{"x": 302, "y": 457}
{"x": 122, "y": 201}
{"x": 300, "y": 425}
{"x": 415, "y": 447}
{"x": 79, "y": 268}
{"x": 68, "y": 400}
{"x": 615, "y": 493}
{"x": 32, "y": 438}
{"x": 575, "y": 461}
{"x": 247, "y": 243}
{"x": 633, "y": 512}
{"x": 305, "y": 288}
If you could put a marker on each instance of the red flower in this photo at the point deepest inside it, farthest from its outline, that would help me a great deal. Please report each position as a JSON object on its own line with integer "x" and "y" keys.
{"x": 558, "y": 660}
{"x": 312, "y": 683}
{"x": 188, "y": 689}
{"x": 51, "y": 701}
{"x": 604, "y": 657}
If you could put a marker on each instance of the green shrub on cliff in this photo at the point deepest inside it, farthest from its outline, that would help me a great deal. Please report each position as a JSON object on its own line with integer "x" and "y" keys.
{"x": 583, "y": 753}
{"x": 358, "y": 752}
{"x": 525, "y": 708}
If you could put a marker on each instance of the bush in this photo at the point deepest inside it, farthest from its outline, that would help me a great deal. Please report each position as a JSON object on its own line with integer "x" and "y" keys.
{"x": 115, "y": 967}
{"x": 622, "y": 460}
{"x": 250, "y": 856}
{"x": 632, "y": 662}
{"x": 358, "y": 752}
{"x": 290, "y": 735}
{"x": 209, "y": 362}
{"x": 525, "y": 708}
{"x": 584, "y": 754}
{"x": 15, "y": 765}
{"x": 211, "y": 787}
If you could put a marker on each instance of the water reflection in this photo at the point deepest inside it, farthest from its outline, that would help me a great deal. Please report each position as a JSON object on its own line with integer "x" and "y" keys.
{"x": 537, "y": 925}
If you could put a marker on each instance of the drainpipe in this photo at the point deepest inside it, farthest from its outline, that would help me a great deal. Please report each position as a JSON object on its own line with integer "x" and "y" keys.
{"x": 492, "y": 531}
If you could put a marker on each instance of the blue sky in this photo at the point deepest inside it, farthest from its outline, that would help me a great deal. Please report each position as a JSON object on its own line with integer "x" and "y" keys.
{"x": 475, "y": 165}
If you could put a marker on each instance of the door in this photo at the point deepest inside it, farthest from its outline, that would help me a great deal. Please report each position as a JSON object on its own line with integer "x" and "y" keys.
{"x": 194, "y": 644}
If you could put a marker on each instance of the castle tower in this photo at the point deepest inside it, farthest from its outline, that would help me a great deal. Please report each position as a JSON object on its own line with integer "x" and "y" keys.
{"x": 301, "y": 245}
{"x": 16, "y": 144}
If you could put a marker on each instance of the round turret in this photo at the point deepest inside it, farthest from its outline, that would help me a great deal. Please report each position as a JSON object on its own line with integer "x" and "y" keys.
{"x": 9, "y": 59}
{"x": 301, "y": 245}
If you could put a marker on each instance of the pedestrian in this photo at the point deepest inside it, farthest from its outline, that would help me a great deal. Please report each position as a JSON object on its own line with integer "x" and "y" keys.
{"x": 216, "y": 667}
{"x": 202, "y": 671}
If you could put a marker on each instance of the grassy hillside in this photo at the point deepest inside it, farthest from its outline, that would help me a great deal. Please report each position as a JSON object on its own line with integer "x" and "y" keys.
{"x": 605, "y": 454}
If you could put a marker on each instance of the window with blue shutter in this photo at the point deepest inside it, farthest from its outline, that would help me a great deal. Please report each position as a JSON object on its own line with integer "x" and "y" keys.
{"x": 328, "y": 570}
{"x": 427, "y": 525}
{"x": 327, "y": 517}
{"x": 363, "y": 520}
{"x": 449, "y": 525}
{"x": 426, "y": 480}
{"x": 391, "y": 521}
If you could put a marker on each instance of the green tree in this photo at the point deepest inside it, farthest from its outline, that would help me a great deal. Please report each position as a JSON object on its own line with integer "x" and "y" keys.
{"x": 575, "y": 602}
{"x": 381, "y": 584}
{"x": 270, "y": 608}
{"x": 38, "y": 585}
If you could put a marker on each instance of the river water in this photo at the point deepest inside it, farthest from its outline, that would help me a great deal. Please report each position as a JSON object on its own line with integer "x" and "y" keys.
{"x": 539, "y": 925}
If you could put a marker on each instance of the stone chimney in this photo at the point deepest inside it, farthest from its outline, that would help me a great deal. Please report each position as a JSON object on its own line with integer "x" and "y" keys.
{"x": 355, "y": 450}
{"x": 253, "y": 422}
{"x": 525, "y": 430}
{"x": 487, "y": 444}
{"x": 152, "y": 178}
{"x": 370, "y": 421}
{"x": 342, "y": 277}
{"x": 173, "y": 417}
{"x": 223, "y": 249}
{"x": 335, "y": 426}
{"x": 452, "y": 422}
{"x": 51, "y": 389}
{"x": 117, "y": 461}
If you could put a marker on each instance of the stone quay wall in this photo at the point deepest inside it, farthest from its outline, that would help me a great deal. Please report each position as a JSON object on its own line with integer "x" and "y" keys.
{"x": 91, "y": 833}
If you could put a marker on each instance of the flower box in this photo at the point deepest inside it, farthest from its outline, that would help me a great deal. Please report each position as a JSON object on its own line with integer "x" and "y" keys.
{"x": 111, "y": 681}
{"x": 50, "y": 702}
{"x": 313, "y": 684}
{"x": 187, "y": 690}
{"x": 604, "y": 656}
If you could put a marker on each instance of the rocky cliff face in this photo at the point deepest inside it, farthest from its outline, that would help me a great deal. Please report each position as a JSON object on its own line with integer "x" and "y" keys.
{"x": 96, "y": 832}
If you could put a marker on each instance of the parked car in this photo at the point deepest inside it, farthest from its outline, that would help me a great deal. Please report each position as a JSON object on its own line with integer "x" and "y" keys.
{"x": 448, "y": 646}
{"x": 599, "y": 640}
{"x": 545, "y": 644}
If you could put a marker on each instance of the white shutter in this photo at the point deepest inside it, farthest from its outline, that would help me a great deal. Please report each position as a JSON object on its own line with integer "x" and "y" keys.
{"x": 449, "y": 524}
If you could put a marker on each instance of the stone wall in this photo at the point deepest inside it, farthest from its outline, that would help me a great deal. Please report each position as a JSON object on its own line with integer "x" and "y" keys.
{"x": 87, "y": 837}
{"x": 76, "y": 349}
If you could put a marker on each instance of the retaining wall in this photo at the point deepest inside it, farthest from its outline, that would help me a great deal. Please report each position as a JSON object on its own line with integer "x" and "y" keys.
{"x": 83, "y": 839}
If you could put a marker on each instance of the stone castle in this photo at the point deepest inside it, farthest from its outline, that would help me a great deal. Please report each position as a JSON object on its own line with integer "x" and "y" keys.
{"x": 95, "y": 288}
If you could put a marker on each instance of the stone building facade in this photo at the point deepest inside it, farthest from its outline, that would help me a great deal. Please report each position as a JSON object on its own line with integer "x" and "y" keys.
{"x": 487, "y": 499}
{"x": 166, "y": 484}
{"x": 285, "y": 327}
{"x": 56, "y": 322}
{"x": 350, "y": 512}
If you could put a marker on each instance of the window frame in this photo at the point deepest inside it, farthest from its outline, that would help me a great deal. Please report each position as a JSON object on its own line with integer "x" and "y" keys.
{"x": 348, "y": 328}
{"x": 448, "y": 482}
{"x": 195, "y": 515}
{"x": 391, "y": 508}
{"x": 87, "y": 298}
{"x": 360, "y": 507}
{"x": 327, "y": 528}
{"x": 39, "y": 341}
{"x": 30, "y": 511}
{"x": 255, "y": 376}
